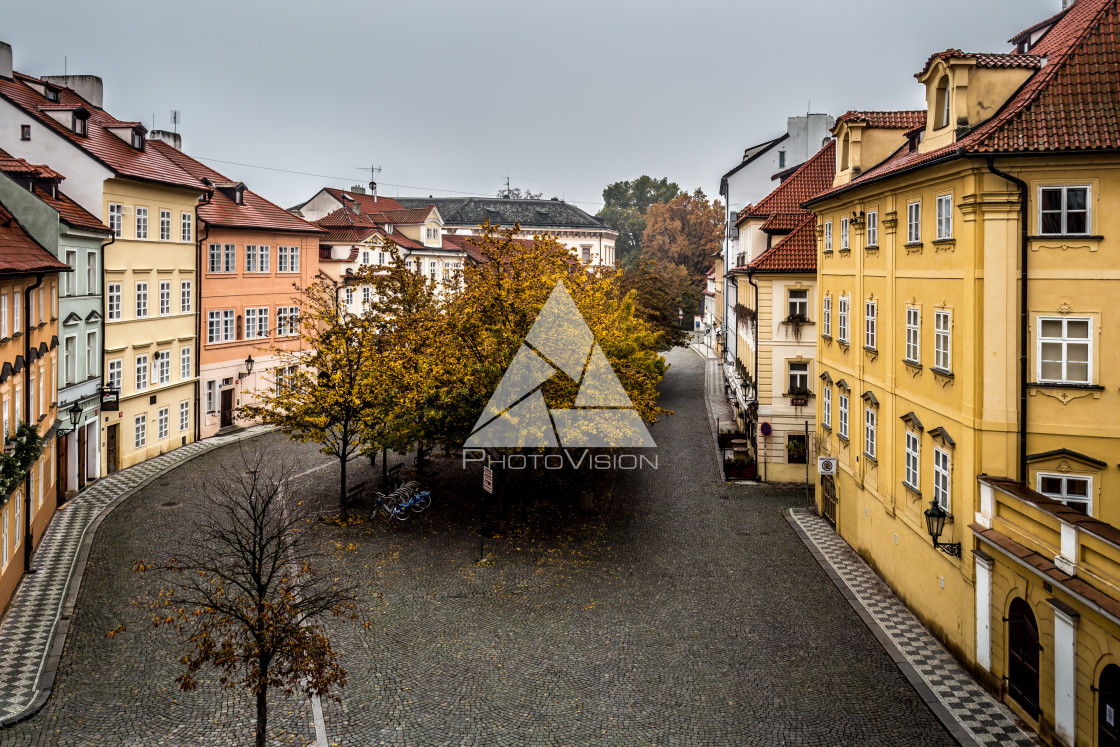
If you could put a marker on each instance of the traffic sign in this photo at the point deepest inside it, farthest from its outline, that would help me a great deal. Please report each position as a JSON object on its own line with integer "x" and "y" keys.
{"x": 826, "y": 465}
{"x": 766, "y": 429}
{"x": 488, "y": 479}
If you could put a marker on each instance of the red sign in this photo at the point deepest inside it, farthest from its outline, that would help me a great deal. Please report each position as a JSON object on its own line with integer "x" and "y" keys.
{"x": 488, "y": 479}
{"x": 766, "y": 429}
{"x": 799, "y": 401}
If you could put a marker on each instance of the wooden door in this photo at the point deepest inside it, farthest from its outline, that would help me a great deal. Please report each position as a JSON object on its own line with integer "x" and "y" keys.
{"x": 1108, "y": 708}
{"x": 828, "y": 499}
{"x": 1022, "y": 649}
{"x": 64, "y": 472}
{"x": 227, "y": 408}
{"x": 81, "y": 457}
{"x": 111, "y": 448}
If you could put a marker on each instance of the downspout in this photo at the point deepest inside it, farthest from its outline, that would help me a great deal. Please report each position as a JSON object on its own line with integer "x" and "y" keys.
{"x": 754, "y": 385}
{"x": 104, "y": 363}
{"x": 199, "y": 238}
{"x": 28, "y": 536}
{"x": 1024, "y": 312}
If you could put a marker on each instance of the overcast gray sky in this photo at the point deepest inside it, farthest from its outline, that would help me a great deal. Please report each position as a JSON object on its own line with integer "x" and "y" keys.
{"x": 564, "y": 97}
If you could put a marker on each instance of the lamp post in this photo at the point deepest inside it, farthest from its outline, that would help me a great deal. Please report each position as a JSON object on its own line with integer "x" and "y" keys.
{"x": 248, "y": 368}
{"x": 935, "y": 525}
{"x": 680, "y": 317}
{"x": 75, "y": 413}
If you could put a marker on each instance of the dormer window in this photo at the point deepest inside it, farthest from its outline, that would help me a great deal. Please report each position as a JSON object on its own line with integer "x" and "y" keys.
{"x": 51, "y": 94}
{"x": 79, "y": 123}
{"x": 941, "y": 102}
{"x": 845, "y": 151}
{"x": 388, "y": 228}
{"x": 138, "y": 140}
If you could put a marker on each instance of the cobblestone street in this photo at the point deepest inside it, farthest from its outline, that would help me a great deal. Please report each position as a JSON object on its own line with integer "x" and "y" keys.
{"x": 680, "y": 611}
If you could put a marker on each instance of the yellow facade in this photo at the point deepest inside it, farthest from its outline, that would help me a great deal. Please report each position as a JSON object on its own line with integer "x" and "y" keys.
{"x": 157, "y": 403}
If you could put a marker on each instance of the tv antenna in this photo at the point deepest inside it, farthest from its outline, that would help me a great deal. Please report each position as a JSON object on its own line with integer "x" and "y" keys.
{"x": 175, "y": 117}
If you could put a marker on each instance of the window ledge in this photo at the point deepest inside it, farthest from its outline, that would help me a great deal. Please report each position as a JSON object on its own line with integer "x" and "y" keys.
{"x": 870, "y": 458}
{"x": 1063, "y": 385}
{"x": 946, "y": 240}
{"x": 912, "y": 489}
{"x": 827, "y": 427}
{"x": 942, "y": 372}
{"x": 842, "y": 438}
{"x": 823, "y": 337}
{"x": 872, "y": 247}
{"x": 870, "y": 349}
{"x": 1051, "y": 236}
{"x": 912, "y": 364}
{"x": 844, "y": 344}
{"x": 826, "y": 251}
{"x": 914, "y": 244}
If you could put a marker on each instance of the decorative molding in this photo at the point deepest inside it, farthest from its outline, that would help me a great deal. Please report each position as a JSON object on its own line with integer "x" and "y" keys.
{"x": 1065, "y": 308}
{"x": 1065, "y": 396}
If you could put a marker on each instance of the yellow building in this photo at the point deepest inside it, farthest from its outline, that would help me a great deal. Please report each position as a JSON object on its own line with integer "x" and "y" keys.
{"x": 968, "y": 267}
{"x": 150, "y": 284}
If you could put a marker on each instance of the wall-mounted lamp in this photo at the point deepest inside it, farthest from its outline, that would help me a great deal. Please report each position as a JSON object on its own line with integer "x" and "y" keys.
{"x": 248, "y": 368}
{"x": 935, "y": 525}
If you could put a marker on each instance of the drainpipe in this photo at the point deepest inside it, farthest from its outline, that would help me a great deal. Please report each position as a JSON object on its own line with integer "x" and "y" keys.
{"x": 28, "y": 536}
{"x": 754, "y": 386}
{"x": 104, "y": 363}
{"x": 1024, "y": 312}
{"x": 199, "y": 238}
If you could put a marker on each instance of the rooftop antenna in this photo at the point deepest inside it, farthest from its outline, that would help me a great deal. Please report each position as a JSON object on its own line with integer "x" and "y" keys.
{"x": 509, "y": 192}
{"x": 373, "y": 171}
{"x": 65, "y": 69}
{"x": 175, "y": 119}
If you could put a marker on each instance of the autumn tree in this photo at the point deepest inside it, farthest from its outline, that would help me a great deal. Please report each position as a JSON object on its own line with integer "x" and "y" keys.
{"x": 321, "y": 393}
{"x": 660, "y": 290}
{"x": 245, "y": 592}
{"x": 687, "y": 230}
{"x": 625, "y": 205}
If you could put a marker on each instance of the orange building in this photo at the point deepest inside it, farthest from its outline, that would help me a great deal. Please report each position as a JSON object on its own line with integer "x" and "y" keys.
{"x": 254, "y": 257}
{"x": 28, "y": 390}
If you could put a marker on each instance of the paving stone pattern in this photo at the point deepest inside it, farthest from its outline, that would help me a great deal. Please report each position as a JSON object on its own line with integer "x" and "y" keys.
{"x": 680, "y": 611}
{"x": 986, "y": 720}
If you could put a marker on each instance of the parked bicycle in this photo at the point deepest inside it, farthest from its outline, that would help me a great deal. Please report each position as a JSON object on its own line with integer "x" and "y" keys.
{"x": 402, "y": 502}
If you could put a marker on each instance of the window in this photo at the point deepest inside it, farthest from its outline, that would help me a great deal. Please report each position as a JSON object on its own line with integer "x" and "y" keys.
{"x": 91, "y": 354}
{"x": 164, "y": 297}
{"x": 826, "y": 407}
{"x": 798, "y": 377}
{"x": 19, "y": 405}
{"x": 843, "y": 319}
{"x": 828, "y": 316}
{"x": 184, "y": 416}
{"x": 4, "y": 315}
{"x": 4, "y": 530}
{"x": 945, "y": 217}
{"x": 433, "y": 235}
{"x": 163, "y": 366}
{"x": 381, "y": 258}
{"x": 432, "y": 269}
{"x": 873, "y": 228}
{"x": 845, "y": 151}
{"x": 140, "y": 431}
{"x": 115, "y": 367}
{"x": 913, "y": 334}
{"x": 25, "y": 132}
{"x": 114, "y": 301}
{"x": 185, "y": 227}
{"x": 185, "y": 297}
{"x": 281, "y": 259}
{"x": 844, "y": 416}
{"x": 1063, "y": 210}
{"x": 71, "y": 277}
{"x": 844, "y": 234}
{"x": 229, "y": 258}
{"x": 137, "y": 140}
{"x": 163, "y": 422}
{"x": 141, "y": 300}
{"x": 165, "y": 225}
{"x": 17, "y": 309}
{"x": 913, "y": 460}
{"x": 293, "y": 258}
{"x": 869, "y": 324}
{"x": 585, "y": 251}
{"x": 264, "y": 262}
{"x": 781, "y": 159}
{"x": 365, "y": 256}
{"x": 256, "y": 322}
{"x": 869, "y": 421}
{"x": 250, "y": 258}
{"x": 941, "y": 478}
{"x": 70, "y": 363}
{"x": 141, "y": 372}
{"x": 220, "y": 326}
{"x": 796, "y": 453}
{"x": 215, "y": 255}
{"x": 34, "y": 400}
{"x": 116, "y": 219}
{"x": 942, "y": 359}
{"x": 914, "y": 223}
{"x": 185, "y": 362}
{"x": 799, "y": 303}
{"x": 365, "y": 295}
{"x": 287, "y": 320}
{"x": 211, "y": 396}
{"x": 141, "y": 223}
{"x": 1076, "y": 492}
{"x": 1065, "y": 350}
{"x": 828, "y": 236}
{"x": 941, "y": 102}
{"x": 91, "y": 273}
{"x": 349, "y": 296}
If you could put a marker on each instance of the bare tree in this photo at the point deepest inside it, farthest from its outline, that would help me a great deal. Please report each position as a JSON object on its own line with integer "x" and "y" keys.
{"x": 245, "y": 593}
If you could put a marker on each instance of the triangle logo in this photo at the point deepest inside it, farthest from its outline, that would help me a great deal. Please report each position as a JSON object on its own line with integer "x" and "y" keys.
{"x": 516, "y": 415}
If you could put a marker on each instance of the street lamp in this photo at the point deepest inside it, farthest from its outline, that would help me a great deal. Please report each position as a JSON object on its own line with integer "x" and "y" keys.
{"x": 935, "y": 525}
{"x": 75, "y": 413}
{"x": 680, "y": 317}
{"x": 248, "y": 367}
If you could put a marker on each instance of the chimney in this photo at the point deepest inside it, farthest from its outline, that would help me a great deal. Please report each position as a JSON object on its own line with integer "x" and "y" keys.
{"x": 5, "y": 60}
{"x": 174, "y": 139}
{"x": 89, "y": 87}
{"x": 358, "y": 189}
{"x": 1067, "y": 3}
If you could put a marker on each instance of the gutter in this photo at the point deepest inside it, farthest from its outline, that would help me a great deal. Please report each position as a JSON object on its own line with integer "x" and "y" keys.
{"x": 1024, "y": 312}
{"x": 104, "y": 371}
{"x": 29, "y": 536}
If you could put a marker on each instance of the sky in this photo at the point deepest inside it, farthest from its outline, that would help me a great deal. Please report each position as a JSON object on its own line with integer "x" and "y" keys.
{"x": 453, "y": 97}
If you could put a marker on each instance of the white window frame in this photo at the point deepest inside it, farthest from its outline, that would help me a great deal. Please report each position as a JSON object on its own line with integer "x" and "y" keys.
{"x": 944, "y": 217}
{"x": 799, "y": 304}
{"x": 914, "y": 222}
{"x": 229, "y": 258}
{"x": 844, "y": 232}
{"x": 870, "y": 309}
{"x": 141, "y": 299}
{"x": 826, "y": 407}
{"x": 186, "y": 296}
{"x": 1063, "y": 496}
{"x": 844, "y": 411}
{"x": 281, "y": 259}
{"x": 1065, "y": 341}
{"x": 184, "y": 416}
{"x": 250, "y": 258}
{"x": 913, "y": 450}
{"x": 1064, "y": 212}
{"x": 214, "y": 258}
{"x": 165, "y": 225}
{"x": 827, "y": 327}
{"x": 141, "y": 372}
{"x": 91, "y": 273}
{"x": 229, "y": 325}
{"x": 799, "y": 374}
{"x": 828, "y": 236}
{"x": 162, "y": 365}
{"x": 70, "y": 359}
{"x": 264, "y": 262}
{"x": 185, "y": 228}
{"x": 943, "y": 340}
{"x": 72, "y": 277}
{"x": 163, "y": 423}
{"x": 91, "y": 353}
{"x": 115, "y": 373}
{"x": 185, "y": 362}
{"x": 141, "y": 223}
{"x": 165, "y": 298}
{"x": 4, "y": 315}
{"x": 113, "y": 301}
{"x": 872, "y": 228}
{"x": 140, "y": 431}
{"x": 843, "y": 321}
{"x": 942, "y": 474}
{"x": 116, "y": 219}
{"x": 212, "y": 396}
{"x": 293, "y": 259}
{"x": 870, "y": 423}
{"x": 913, "y": 334}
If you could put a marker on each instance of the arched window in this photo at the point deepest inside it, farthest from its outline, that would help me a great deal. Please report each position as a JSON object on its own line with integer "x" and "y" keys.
{"x": 941, "y": 102}
{"x": 1108, "y": 710}
{"x": 845, "y": 148}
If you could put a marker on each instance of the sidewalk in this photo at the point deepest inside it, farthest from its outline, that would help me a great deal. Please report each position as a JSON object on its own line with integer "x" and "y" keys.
{"x": 33, "y": 630}
{"x": 970, "y": 714}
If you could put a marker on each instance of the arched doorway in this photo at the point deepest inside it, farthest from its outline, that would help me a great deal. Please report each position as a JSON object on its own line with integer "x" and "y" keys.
{"x": 1108, "y": 707}
{"x": 828, "y": 499}
{"x": 1022, "y": 650}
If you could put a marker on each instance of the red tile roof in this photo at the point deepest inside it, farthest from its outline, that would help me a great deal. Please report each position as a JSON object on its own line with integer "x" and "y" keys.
{"x": 404, "y": 217}
{"x": 900, "y": 120}
{"x": 985, "y": 59}
{"x": 783, "y": 222}
{"x": 796, "y": 252}
{"x": 101, "y": 144}
{"x": 253, "y": 212}
{"x": 811, "y": 178}
{"x": 19, "y": 253}
{"x": 367, "y": 203}
{"x": 69, "y": 211}
{"x": 1070, "y": 104}
{"x": 347, "y": 235}
{"x": 344, "y": 217}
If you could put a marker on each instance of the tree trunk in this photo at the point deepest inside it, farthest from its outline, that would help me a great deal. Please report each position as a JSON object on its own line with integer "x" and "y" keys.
{"x": 262, "y": 713}
{"x": 342, "y": 488}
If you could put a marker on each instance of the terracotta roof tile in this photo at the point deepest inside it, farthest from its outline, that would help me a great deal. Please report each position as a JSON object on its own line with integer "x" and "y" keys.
{"x": 985, "y": 59}
{"x": 404, "y": 217}
{"x": 21, "y": 254}
{"x": 900, "y": 120}
{"x": 367, "y": 203}
{"x": 781, "y": 222}
{"x": 813, "y": 176}
{"x": 796, "y": 252}
{"x": 69, "y": 211}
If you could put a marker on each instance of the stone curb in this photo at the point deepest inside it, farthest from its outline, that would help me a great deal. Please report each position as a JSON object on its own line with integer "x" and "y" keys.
{"x": 49, "y": 669}
{"x": 711, "y": 420}
{"x": 947, "y": 719}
